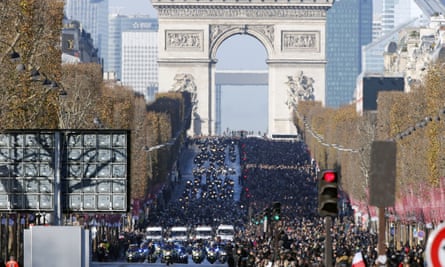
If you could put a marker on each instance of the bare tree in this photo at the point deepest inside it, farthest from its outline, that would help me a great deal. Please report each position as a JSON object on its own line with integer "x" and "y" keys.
{"x": 30, "y": 57}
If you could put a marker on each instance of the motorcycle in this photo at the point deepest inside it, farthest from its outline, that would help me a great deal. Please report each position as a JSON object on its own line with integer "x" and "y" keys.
{"x": 222, "y": 256}
{"x": 197, "y": 255}
{"x": 212, "y": 255}
{"x": 152, "y": 257}
{"x": 167, "y": 256}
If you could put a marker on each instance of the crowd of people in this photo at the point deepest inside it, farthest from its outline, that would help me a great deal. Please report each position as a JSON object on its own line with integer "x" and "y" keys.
{"x": 284, "y": 172}
{"x": 267, "y": 171}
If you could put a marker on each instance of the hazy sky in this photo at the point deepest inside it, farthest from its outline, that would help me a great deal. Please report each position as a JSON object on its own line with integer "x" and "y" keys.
{"x": 132, "y": 7}
{"x": 239, "y": 109}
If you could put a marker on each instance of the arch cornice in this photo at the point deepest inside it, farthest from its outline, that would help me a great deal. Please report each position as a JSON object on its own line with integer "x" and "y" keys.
{"x": 213, "y": 10}
{"x": 220, "y": 32}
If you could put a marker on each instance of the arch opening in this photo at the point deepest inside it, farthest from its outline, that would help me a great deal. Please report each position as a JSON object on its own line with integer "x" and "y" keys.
{"x": 241, "y": 86}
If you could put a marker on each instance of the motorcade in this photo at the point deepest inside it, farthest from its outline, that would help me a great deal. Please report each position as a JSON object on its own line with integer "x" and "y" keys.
{"x": 203, "y": 233}
{"x": 225, "y": 232}
{"x": 168, "y": 254}
{"x": 181, "y": 253}
{"x": 148, "y": 251}
{"x": 178, "y": 233}
{"x": 212, "y": 254}
{"x": 222, "y": 254}
{"x": 154, "y": 233}
{"x": 198, "y": 253}
{"x": 133, "y": 254}
{"x": 174, "y": 253}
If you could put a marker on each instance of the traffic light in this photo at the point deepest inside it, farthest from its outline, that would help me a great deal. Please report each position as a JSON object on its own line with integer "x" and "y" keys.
{"x": 276, "y": 211}
{"x": 266, "y": 214}
{"x": 328, "y": 193}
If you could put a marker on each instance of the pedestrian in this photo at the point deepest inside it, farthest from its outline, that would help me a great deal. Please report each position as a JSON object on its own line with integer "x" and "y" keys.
{"x": 12, "y": 262}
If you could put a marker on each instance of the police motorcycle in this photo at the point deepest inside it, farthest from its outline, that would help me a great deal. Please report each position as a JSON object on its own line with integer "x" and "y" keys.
{"x": 198, "y": 253}
{"x": 152, "y": 252}
{"x": 168, "y": 254}
{"x": 222, "y": 254}
{"x": 181, "y": 255}
{"x": 212, "y": 254}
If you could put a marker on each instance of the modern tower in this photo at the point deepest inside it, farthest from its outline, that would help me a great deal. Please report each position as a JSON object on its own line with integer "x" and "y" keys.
{"x": 372, "y": 54}
{"x": 396, "y": 15}
{"x": 117, "y": 25}
{"x": 139, "y": 61}
{"x": 431, "y": 7}
{"x": 93, "y": 16}
{"x": 349, "y": 27}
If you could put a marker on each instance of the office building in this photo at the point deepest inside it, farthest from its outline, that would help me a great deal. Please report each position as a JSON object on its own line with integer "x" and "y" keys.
{"x": 117, "y": 25}
{"x": 349, "y": 27}
{"x": 93, "y": 17}
{"x": 431, "y": 7}
{"x": 139, "y": 62}
{"x": 372, "y": 54}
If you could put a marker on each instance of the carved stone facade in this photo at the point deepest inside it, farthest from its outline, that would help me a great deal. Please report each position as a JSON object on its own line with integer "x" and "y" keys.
{"x": 301, "y": 88}
{"x": 216, "y": 31}
{"x": 239, "y": 12}
{"x": 301, "y": 40}
{"x": 186, "y": 82}
{"x": 292, "y": 33}
{"x": 184, "y": 39}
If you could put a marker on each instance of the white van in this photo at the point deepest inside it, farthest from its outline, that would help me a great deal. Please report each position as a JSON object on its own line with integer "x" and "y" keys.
{"x": 204, "y": 232}
{"x": 225, "y": 232}
{"x": 178, "y": 233}
{"x": 154, "y": 233}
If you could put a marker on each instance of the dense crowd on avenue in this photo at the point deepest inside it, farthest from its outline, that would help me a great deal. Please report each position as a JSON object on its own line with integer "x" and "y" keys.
{"x": 269, "y": 171}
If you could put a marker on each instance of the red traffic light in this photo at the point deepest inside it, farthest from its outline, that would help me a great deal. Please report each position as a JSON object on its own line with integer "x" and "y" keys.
{"x": 328, "y": 193}
{"x": 329, "y": 176}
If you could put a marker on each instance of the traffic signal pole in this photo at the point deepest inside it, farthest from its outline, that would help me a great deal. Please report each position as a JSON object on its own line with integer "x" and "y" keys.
{"x": 328, "y": 207}
{"x": 328, "y": 242}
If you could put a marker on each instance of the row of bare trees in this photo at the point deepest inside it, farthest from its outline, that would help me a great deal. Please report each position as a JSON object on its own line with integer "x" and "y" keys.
{"x": 38, "y": 92}
{"x": 341, "y": 138}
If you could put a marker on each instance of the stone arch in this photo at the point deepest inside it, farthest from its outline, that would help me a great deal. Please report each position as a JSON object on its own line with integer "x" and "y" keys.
{"x": 292, "y": 32}
{"x": 225, "y": 31}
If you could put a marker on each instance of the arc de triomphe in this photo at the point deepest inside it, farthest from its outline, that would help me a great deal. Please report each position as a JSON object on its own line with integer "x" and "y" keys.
{"x": 292, "y": 31}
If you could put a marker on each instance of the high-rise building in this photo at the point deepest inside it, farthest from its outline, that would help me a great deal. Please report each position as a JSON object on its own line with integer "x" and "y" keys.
{"x": 372, "y": 54}
{"x": 388, "y": 20}
{"x": 397, "y": 15}
{"x": 376, "y": 28}
{"x": 139, "y": 61}
{"x": 349, "y": 27}
{"x": 431, "y": 7}
{"x": 398, "y": 12}
{"x": 93, "y": 16}
{"x": 117, "y": 25}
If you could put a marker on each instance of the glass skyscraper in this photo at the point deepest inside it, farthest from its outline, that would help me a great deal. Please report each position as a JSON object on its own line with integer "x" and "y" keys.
{"x": 396, "y": 15}
{"x": 348, "y": 28}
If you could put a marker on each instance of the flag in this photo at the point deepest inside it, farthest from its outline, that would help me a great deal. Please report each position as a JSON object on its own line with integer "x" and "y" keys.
{"x": 358, "y": 261}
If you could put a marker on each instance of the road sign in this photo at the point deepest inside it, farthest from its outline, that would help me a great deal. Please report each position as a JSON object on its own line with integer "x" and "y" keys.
{"x": 435, "y": 248}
